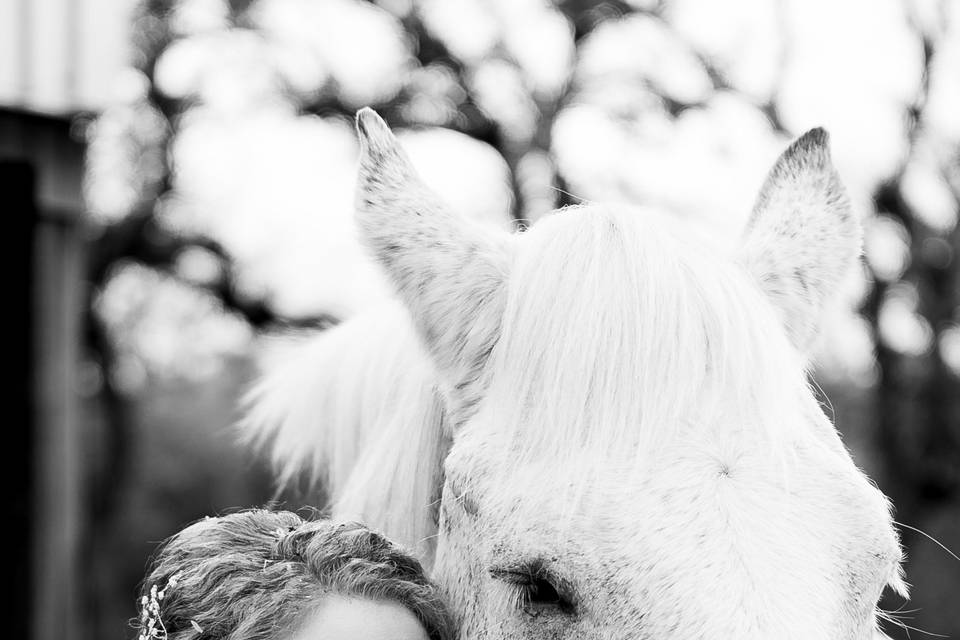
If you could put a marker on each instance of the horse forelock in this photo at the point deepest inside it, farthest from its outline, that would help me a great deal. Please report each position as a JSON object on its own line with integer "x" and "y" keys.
{"x": 619, "y": 334}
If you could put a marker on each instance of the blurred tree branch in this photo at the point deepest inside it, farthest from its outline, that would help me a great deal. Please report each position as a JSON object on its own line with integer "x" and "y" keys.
{"x": 140, "y": 237}
{"x": 918, "y": 397}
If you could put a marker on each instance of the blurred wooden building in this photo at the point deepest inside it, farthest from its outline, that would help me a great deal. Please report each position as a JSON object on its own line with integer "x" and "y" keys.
{"x": 57, "y": 62}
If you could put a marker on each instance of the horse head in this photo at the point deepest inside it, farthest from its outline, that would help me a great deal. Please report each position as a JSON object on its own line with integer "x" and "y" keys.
{"x": 623, "y": 441}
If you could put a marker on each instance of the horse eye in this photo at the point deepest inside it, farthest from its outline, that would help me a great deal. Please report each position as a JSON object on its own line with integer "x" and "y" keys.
{"x": 537, "y": 590}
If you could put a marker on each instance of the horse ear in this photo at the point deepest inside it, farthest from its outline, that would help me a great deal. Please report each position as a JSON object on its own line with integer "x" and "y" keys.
{"x": 449, "y": 271}
{"x": 802, "y": 237}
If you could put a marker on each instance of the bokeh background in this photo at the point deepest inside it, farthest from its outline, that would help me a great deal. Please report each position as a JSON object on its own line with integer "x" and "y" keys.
{"x": 179, "y": 176}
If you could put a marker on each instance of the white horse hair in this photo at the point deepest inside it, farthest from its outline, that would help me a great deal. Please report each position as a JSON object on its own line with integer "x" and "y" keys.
{"x": 598, "y": 428}
{"x": 357, "y": 408}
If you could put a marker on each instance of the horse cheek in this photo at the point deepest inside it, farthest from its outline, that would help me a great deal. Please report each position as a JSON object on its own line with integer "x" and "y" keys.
{"x": 458, "y": 568}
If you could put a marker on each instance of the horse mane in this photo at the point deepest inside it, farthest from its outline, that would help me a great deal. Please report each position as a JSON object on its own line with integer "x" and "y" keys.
{"x": 357, "y": 411}
{"x": 619, "y": 334}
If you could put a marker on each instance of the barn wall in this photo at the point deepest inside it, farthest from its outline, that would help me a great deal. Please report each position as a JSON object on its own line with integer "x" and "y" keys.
{"x": 41, "y": 167}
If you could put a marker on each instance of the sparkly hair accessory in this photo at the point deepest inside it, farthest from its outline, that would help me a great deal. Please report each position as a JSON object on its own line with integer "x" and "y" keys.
{"x": 151, "y": 624}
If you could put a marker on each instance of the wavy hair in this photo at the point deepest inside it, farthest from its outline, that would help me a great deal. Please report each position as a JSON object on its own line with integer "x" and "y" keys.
{"x": 253, "y": 574}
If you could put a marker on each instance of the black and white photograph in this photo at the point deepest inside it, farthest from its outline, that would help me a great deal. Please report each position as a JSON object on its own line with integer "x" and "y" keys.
{"x": 483, "y": 319}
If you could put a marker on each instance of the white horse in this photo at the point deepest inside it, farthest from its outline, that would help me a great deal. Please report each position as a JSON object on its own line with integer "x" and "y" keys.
{"x": 597, "y": 428}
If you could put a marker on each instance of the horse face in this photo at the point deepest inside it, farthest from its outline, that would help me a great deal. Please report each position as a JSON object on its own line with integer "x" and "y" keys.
{"x": 697, "y": 547}
{"x": 590, "y": 491}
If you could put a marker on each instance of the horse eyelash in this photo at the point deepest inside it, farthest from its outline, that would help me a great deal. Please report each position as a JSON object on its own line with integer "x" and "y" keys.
{"x": 520, "y": 589}
{"x": 524, "y": 578}
{"x": 514, "y": 575}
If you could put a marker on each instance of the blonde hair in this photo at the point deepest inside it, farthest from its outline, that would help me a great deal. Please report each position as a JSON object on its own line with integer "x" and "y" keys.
{"x": 255, "y": 574}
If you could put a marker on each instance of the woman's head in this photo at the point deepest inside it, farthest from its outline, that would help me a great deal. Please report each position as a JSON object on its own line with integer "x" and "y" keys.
{"x": 265, "y": 575}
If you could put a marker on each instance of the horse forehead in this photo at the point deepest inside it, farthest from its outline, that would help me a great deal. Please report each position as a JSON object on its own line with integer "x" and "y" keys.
{"x": 691, "y": 491}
